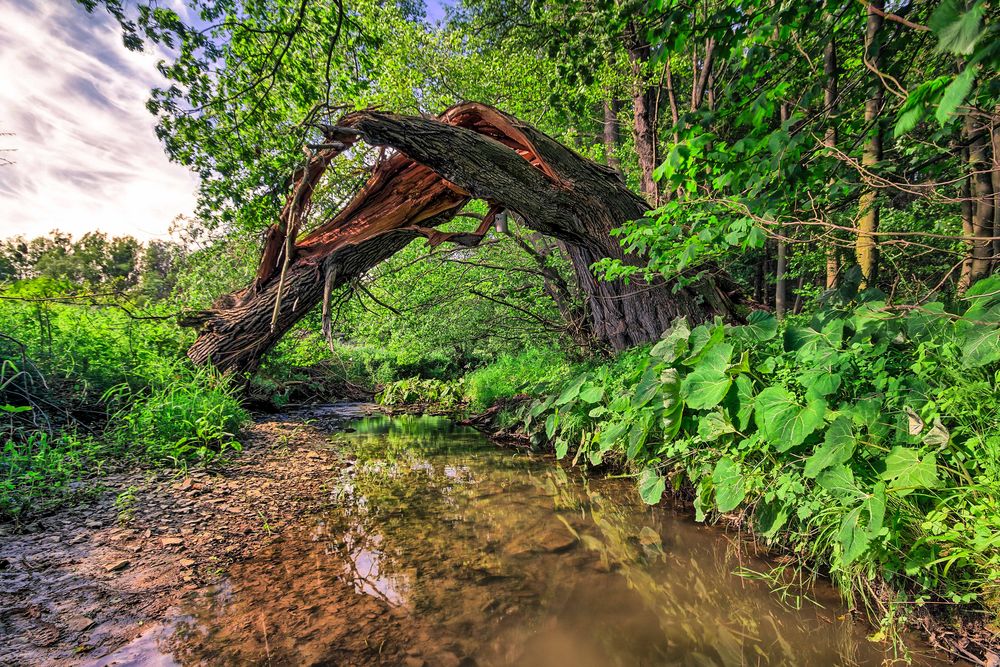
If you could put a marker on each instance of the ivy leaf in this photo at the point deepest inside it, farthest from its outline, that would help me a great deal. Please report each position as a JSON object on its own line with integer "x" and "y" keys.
{"x": 785, "y": 423}
{"x": 729, "y": 485}
{"x": 838, "y": 447}
{"x": 907, "y": 471}
{"x": 651, "y": 486}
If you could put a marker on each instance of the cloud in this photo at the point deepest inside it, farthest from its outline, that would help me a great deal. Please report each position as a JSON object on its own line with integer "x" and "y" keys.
{"x": 86, "y": 157}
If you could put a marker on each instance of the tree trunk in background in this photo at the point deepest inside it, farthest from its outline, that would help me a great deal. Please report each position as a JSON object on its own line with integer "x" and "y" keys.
{"x": 830, "y": 93}
{"x": 643, "y": 125}
{"x": 995, "y": 153}
{"x": 471, "y": 151}
{"x": 980, "y": 255}
{"x": 866, "y": 247}
{"x": 611, "y": 134}
{"x": 779, "y": 285}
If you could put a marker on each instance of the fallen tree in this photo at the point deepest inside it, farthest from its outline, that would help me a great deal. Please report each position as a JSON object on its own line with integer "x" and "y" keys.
{"x": 471, "y": 151}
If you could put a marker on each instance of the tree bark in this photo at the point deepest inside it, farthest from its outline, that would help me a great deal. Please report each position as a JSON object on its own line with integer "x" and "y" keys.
{"x": 471, "y": 151}
{"x": 611, "y": 134}
{"x": 980, "y": 257}
{"x": 830, "y": 94}
{"x": 866, "y": 247}
{"x": 643, "y": 123}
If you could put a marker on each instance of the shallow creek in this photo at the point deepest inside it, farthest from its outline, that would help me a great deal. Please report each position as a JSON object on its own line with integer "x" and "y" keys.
{"x": 439, "y": 548}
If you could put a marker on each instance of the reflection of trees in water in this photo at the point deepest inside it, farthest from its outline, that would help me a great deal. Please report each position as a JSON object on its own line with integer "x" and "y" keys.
{"x": 472, "y": 541}
{"x": 710, "y": 615}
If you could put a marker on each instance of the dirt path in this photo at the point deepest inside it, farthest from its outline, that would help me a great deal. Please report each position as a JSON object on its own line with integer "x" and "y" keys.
{"x": 90, "y": 578}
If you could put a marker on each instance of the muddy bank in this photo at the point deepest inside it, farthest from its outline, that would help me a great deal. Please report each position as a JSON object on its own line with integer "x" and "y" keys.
{"x": 91, "y": 577}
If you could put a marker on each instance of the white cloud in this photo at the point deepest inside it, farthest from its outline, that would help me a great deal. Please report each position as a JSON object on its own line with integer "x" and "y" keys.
{"x": 86, "y": 156}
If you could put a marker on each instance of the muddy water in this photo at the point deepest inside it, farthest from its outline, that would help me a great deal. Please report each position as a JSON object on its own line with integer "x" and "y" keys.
{"x": 441, "y": 549}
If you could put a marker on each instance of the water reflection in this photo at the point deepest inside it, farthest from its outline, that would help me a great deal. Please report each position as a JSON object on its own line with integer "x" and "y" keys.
{"x": 442, "y": 549}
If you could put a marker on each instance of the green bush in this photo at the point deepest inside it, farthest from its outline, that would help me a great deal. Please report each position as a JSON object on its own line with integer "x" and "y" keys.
{"x": 533, "y": 371}
{"x": 190, "y": 417}
{"x": 864, "y": 439}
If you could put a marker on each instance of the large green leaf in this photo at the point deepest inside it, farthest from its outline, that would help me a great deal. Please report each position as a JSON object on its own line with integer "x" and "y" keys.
{"x": 713, "y": 426}
{"x": 572, "y": 390}
{"x": 703, "y": 339}
{"x": 551, "y": 424}
{"x": 673, "y": 406}
{"x": 957, "y": 30}
{"x": 784, "y": 422}
{"x": 838, "y": 447}
{"x": 674, "y": 342}
{"x": 955, "y": 94}
{"x": 708, "y": 383}
{"x": 839, "y": 480}
{"x": 651, "y": 486}
{"x": 647, "y": 387}
{"x": 592, "y": 394}
{"x": 906, "y": 471}
{"x": 861, "y": 525}
{"x": 981, "y": 346}
{"x": 761, "y": 326}
{"x": 730, "y": 489}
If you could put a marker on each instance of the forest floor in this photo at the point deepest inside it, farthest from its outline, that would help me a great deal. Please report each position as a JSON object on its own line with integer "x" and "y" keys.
{"x": 81, "y": 583}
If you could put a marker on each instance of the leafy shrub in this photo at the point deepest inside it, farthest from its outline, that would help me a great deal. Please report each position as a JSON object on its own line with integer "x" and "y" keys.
{"x": 192, "y": 416}
{"x": 533, "y": 371}
{"x": 865, "y": 438}
{"x": 440, "y": 393}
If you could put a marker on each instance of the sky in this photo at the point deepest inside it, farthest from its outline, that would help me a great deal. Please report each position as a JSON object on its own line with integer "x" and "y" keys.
{"x": 85, "y": 155}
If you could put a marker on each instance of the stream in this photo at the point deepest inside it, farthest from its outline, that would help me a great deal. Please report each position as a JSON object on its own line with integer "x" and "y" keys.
{"x": 439, "y": 548}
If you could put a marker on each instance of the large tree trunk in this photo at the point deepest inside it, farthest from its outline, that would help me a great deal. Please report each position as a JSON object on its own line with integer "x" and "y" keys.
{"x": 471, "y": 151}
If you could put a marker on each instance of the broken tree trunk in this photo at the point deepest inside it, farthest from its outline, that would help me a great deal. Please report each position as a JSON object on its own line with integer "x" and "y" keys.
{"x": 470, "y": 151}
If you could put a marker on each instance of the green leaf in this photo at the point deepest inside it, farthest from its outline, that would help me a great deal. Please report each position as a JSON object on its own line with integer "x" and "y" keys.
{"x": 981, "y": 346}
{"x": 551, "y": 424}
{"x": 955, "y": 94}
{"x": 647, "y": 387}
{"x": 761, "y": 326}
{"x": 651, "y": 486}
{"x": 729, "y": 485}
{"x": 562, "y": 447}
{"x": 784, "y": 422}
{"x": 707, "y": 385}
{"x": 839, "y": 481}
{"x": 702, "y": 340}
{"x": 771, "y": 517}
{"x": 957, "y": 30}
{"x": 592, "y": 394}
{"x": 862, "y": 524}
{"x": 906, "y": 471}
{"x": 673, "y": 406}
{"x": 572, "y": 390}
{"x": 610, "y": 434}
{"x": 838, "y": 447}
{"x": 638, "y": 433}
{"x": 674, "y": 341}
{"x": 713, "y": 426}
{"x": 819, "y": 382}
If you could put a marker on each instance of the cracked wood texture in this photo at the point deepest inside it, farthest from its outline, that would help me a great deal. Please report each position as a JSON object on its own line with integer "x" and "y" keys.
{"x": 470, "y": 151}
